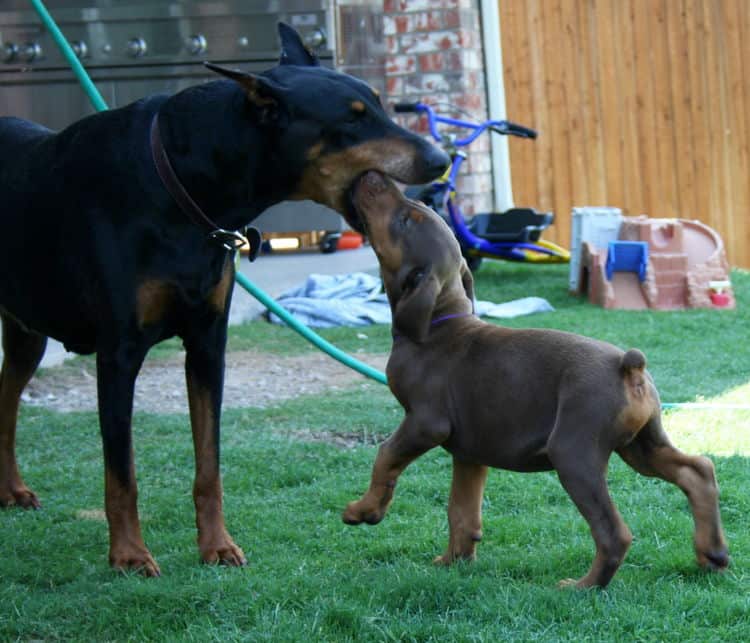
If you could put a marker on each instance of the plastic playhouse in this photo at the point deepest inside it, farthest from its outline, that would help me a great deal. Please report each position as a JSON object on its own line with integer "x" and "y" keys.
{"x": 639, "y": 262}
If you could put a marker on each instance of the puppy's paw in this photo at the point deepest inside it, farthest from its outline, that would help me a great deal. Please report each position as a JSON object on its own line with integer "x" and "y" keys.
{"x": 578, "y": 584}
{"x": 716, "y": 560}
{"x": 451, "y": 558}
{"x": 357, "y": 512}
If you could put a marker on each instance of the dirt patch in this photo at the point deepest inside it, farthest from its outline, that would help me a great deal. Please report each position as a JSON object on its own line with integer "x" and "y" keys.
{"x": 252, "y": 379}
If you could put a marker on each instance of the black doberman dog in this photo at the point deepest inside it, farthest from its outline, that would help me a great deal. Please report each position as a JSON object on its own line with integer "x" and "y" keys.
{"x": 115, "y": 238}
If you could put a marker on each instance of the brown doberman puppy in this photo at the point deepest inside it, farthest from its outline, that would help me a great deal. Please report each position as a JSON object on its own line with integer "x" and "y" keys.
{"x": 523, "y": 400}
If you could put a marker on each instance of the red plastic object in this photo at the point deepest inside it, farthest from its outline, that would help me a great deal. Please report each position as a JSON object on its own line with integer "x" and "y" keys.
{"x": 720, "y": 299}
{"x": 349, "y": 241}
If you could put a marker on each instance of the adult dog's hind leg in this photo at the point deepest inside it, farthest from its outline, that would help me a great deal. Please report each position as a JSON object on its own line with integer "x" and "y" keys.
{"x": 414, "y": 437}
{"x": 22, "y": 352}
{"x": 652, "y": 454}
{"x": 464, "y": 512}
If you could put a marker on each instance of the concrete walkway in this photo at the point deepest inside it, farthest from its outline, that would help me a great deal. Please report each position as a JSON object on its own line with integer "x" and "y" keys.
{"x": 273, "y": 273}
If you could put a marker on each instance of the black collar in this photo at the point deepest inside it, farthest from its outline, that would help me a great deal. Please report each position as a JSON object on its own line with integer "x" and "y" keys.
{"x": 228, "y": 239}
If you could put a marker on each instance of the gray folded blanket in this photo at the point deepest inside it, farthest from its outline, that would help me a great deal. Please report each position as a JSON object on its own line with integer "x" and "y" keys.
{"x": 357, "y": 299}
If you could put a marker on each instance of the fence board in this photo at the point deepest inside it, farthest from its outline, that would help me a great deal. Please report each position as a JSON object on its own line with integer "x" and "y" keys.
{"x": 641, "y": 104}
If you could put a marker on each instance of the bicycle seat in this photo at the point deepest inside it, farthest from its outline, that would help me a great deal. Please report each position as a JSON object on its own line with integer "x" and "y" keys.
{"x": 520, "y": 225}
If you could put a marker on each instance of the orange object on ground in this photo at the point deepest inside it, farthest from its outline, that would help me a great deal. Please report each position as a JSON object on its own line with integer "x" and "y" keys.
{"x": 349, "y": 240}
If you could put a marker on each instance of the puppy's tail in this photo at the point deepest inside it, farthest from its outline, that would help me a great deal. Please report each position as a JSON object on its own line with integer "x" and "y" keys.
{"x": 632, "y": 360}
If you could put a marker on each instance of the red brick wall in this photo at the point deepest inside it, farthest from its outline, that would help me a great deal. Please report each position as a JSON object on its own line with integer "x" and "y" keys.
{"x": 434, "y": 54}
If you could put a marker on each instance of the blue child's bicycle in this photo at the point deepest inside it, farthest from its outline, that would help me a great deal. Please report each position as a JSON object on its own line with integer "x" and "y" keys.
{"x": 513, "y": 235}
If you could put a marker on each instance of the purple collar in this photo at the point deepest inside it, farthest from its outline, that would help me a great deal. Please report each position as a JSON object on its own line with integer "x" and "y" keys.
{"x": 439, "y": 320}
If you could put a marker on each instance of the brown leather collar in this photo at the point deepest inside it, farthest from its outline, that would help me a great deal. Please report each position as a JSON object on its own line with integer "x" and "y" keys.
{"x": 228, "y": 239}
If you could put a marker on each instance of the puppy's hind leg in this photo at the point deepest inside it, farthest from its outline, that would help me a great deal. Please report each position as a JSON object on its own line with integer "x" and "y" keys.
{"x": 464, "y": 512}
{"x": 22, "y": 353}
{"x": 583, "y": 475}
{"x": 414, "y": 437}
{"x": 652, "y": 454}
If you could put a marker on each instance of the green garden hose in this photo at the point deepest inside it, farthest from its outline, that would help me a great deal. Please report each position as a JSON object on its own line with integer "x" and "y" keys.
{"x": 88, "y": 86}
{"x": 308, "y": 334}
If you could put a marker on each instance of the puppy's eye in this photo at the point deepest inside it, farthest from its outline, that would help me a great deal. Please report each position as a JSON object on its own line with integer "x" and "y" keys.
{"x": 413, "y": 279}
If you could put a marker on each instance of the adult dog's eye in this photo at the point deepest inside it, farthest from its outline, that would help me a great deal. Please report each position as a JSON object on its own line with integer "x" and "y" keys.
{"x": 356, "y": 112}
{"x": 413, "y": 279}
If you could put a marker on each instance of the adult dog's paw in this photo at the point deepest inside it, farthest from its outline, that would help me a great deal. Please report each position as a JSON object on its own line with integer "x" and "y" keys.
{"x": 19, "y": 496}
{"x": 134, "y": 559}
{"x": 223, "y": 552}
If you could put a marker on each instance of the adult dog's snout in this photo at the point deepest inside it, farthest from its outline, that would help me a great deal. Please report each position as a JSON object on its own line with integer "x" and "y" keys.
{"x": 436, "y": 163}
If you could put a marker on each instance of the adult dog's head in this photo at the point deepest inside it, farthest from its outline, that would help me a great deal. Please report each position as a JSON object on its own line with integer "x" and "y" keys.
{"x": 329, "y": 128}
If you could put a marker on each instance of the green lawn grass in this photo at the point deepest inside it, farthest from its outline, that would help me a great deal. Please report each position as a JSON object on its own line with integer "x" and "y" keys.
{"x": 310, "y": 577}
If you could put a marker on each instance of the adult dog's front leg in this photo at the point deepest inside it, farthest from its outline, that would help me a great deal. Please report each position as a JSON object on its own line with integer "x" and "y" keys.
{"x": 414, "y": 437}
{"x": 204, "y": 370}
{"x": 116, "y": 372}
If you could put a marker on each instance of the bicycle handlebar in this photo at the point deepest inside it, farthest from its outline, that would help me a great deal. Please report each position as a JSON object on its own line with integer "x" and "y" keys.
{"x": 403, "y": 108}
{"x": 500, "y": 127}
{"x": 514, "y": 129}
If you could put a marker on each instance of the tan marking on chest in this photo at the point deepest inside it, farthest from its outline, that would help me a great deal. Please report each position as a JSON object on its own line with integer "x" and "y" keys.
{"x": 153, "y": 299}
{"x": 217, "y": 297}
{"x": 315, "y": 151}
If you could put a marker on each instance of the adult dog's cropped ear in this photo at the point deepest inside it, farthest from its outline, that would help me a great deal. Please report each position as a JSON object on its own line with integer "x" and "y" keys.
{"x": 260, "y": 91}
{"x": 293, "y": 50}
{"x": 413, "y": 311}
{"x": 467, "y": 280}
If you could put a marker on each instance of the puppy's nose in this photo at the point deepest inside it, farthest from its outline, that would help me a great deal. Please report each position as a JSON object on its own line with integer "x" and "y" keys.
{"x": 374, "y": 182}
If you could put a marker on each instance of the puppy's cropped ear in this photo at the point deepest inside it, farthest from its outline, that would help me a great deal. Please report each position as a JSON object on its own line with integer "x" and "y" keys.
{"x": 467, "y": 280}
{"x": 293, "y": 50}
{"x": 261, "y": 91}
{"x": 413, "y": 312}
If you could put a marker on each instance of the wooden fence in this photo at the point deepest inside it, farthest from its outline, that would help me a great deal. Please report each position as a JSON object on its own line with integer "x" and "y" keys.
{"x": 641, "y": 104}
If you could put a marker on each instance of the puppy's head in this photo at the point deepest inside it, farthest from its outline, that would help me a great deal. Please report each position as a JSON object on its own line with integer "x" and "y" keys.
{"x": 330, "y": 128}
{"x": 423, "y": 271}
